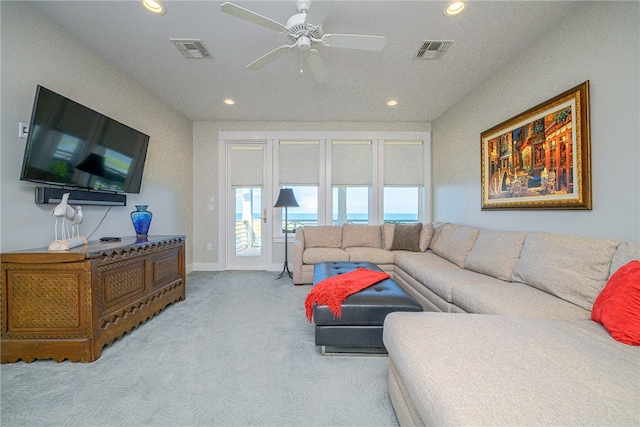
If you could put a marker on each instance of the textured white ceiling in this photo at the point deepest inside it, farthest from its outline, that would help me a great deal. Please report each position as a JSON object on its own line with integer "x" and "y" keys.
{"x": 486, "y": 36}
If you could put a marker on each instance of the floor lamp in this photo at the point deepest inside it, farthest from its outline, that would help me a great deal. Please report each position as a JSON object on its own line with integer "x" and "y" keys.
{"x": 285, "y": 200}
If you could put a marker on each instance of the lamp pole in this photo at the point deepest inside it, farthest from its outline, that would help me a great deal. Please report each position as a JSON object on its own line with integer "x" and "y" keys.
{"x": 286, "y": 245}
{"x": 286, "y": 198}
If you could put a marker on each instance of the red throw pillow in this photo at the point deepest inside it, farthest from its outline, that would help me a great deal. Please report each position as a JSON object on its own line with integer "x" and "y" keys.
{"x": 618, "y": 305}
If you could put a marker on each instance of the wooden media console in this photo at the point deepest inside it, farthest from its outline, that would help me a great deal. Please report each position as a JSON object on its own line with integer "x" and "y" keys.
{"x": 69, "y": 305}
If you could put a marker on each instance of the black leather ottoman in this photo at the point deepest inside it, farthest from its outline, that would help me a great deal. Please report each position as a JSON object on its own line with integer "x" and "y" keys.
{"x": 359, "y": 330}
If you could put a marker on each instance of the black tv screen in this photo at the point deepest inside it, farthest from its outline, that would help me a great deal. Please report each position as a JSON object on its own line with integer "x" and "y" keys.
{"x": 71, "y": 145}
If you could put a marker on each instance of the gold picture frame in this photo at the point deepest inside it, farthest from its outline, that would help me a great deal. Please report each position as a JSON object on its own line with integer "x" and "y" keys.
{"x": 540, "y": 159}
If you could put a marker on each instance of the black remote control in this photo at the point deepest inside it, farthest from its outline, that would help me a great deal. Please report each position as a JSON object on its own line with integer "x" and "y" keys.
{"x": 110, "y": 239}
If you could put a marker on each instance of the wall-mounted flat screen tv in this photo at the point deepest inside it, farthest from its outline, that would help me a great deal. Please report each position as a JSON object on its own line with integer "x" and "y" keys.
{"x": 71, "y": 145}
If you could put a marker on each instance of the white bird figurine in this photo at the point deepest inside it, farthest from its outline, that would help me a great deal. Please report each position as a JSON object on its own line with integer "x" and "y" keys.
{"x": 64, "y": 211}
{"x": 76, "y": 221}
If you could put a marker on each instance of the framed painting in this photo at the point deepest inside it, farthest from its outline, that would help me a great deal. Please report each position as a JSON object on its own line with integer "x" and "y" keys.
{"x": 540, "y": 159}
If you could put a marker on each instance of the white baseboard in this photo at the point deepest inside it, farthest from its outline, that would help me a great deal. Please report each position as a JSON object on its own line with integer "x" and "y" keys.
{"x": 214, "y": 266}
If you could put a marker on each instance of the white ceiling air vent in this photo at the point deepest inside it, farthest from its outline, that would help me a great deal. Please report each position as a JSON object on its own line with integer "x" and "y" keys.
{"x": 192, "y": 48}
{"x": 433, "y": 49}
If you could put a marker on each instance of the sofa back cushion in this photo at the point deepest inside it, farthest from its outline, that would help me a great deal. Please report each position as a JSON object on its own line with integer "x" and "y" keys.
{"x": 387, "y": 235}
{"x": 455, "y": 242}
{"x": 625, "y": 253}
{"x": 435, "y": 235}
{"x": 323, "y": 236}
{"x": 570, "y": 267}
{"x": 495, "y": 253}
{"x": 369, "y": 236}
{"x": 425, "y": 236}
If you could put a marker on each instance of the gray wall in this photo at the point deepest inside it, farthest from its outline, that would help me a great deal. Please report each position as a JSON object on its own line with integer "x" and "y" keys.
{"x": 37, "y": 51}
{"x": 599, "y": 43}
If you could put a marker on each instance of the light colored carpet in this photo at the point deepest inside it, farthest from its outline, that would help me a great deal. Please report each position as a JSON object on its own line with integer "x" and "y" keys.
{"x": 237, "y": 352}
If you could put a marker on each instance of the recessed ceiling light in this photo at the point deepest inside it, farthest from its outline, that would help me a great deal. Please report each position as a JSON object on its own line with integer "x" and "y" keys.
{"x": 154, "y": 6}
{"x": 454, "y": 8}
{"x": 392, "y": 103}
{"x": 229, "y": 101}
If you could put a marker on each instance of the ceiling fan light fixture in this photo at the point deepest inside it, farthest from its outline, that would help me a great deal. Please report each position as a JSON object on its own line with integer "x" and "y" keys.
{"x": 154, "y": 6}
{"x": 454, "y": 8}
{"x": 304, "y": 43}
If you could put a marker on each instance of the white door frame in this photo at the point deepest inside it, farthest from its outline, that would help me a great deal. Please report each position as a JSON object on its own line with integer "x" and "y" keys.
{"x": 226, "y": 196}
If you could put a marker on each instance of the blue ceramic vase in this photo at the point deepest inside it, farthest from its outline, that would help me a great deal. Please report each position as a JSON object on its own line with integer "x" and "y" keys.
{"x": 141, "y": 219}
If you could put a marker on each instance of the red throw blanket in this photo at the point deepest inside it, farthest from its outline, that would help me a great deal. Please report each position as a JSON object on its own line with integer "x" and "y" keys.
{"x": 333, "y": 291}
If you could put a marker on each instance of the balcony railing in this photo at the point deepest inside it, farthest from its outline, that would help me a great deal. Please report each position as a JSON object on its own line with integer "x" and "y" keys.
{"x": 248, "y": 234}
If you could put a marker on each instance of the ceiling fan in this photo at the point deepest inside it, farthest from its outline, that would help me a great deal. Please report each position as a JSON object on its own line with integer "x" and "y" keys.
{"x": 304, "y": 29}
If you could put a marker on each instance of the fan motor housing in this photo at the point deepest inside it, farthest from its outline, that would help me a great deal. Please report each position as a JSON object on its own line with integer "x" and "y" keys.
{"x": 297, "y": 26}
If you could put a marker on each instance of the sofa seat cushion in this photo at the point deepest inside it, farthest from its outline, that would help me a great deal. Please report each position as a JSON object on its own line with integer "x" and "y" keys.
{"x": 474, "y": 369}
{"x": 443, "y": 280}
{"x": 515, "y": 299}
{"x": 570, "y": 267}
{"x": 373, "y": 255}
{"x": 410, "y": 262}
{"x": 318, "y": 255}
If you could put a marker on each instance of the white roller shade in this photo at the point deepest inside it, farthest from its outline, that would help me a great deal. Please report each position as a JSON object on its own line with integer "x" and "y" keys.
{"x": 299, "y": 163}
{"x": 245, "y": 166}
{"x": 403, "y": 163}
{"x": 351, "y": 163}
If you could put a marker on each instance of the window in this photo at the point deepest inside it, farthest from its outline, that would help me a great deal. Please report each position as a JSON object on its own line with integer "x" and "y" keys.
{"x": 248, "y": 222}
{"x": 299, "y": 169}
{"x": 403, "y": 163}
{"x": 351, "y": 163}
{"x": 351, "y": 178}
{"x": 401, "y": 204}
{"x": 403, "y": 180}
{"x": 307, "y": 213}
{"x": 339, "y": 177}
{"x": 350, "y": 205}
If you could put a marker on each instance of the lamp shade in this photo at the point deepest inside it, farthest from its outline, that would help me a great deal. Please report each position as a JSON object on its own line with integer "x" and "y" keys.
{"x": 286, "y": 199}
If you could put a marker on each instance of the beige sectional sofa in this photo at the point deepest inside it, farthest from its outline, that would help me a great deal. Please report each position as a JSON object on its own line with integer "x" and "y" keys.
{"x": 371, "y": 243}
{"x": 521, "y": 349}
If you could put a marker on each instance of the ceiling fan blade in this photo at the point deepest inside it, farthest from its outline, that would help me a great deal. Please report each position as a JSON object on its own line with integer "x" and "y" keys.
{"x": 271, "y": 56}
{"x": 354, "y": 41}
{"x": 316, "y": 65}
{"x": 247, "y": 15}
{"x": 317, "y": 11}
